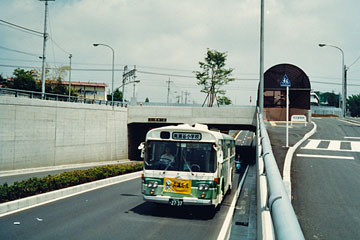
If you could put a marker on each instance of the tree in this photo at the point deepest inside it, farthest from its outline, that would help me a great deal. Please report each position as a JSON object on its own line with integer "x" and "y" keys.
{"x": 330, "y": 98}
{"x": 353, "y": 103}
{"x": 213, "y": 75}
{"x": 24, "y": 80}
{"x": 118, "y": 96}
{"x": 223, "y": 100}
{"x": 147, "y": 100}
{"x": 53, "y": 81}
{"x": 3, "y": 81}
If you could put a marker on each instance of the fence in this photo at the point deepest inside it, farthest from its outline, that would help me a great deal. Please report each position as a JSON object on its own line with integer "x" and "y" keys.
{"x": 58, "y": 97}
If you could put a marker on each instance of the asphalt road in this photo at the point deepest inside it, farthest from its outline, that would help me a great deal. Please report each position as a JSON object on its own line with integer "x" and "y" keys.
{"x": 326, "y": 181}
{"x": 114, "y": 212}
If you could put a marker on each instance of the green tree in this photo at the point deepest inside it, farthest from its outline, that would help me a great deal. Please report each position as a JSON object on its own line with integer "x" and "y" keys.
{"x": 330, "y": 98}
{"x": 118, "y": 96}
{"x": 24, "y": 80}
{"x": 223, "y": 100}
{"x": 353, "y": 103}
{"x": 147, "y": 100}
{"x": 3, "y": 81}
{"x": 213, "y": 75}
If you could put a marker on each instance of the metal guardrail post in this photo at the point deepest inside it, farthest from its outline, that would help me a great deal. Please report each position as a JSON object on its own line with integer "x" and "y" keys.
{"x": 284, "y": 219}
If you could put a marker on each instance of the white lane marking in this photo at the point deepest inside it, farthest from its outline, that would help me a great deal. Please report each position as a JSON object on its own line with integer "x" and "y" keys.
{"x": 288, "y": 159}
{"x": 352, "y": 138}
{"x": 324, "y": 156}
{"x": 312, "y": 144}
{"x": 334, "y": 145}
{"x": 357, "y": 124}
{"x": 355, "y": 146}
{"x": 331, "y": 140}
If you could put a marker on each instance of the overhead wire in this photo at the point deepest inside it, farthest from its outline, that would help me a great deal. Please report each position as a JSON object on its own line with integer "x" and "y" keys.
{"x": 18, "y": 51}
{"x": 21, "y": 27}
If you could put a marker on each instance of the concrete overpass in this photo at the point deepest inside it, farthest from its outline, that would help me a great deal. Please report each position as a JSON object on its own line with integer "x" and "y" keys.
{"x": 37, "y": 133}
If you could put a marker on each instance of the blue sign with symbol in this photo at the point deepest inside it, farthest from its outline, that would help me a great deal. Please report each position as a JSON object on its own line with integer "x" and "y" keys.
{"x": 285, "y": 82}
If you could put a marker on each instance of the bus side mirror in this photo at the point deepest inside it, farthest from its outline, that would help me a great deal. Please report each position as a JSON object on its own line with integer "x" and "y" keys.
{"x": 141, "y": 147}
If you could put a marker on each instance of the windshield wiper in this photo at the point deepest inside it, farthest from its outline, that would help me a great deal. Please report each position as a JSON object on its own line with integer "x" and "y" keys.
{"x": 167, "y": 167}
{"x": 188, "y": 165}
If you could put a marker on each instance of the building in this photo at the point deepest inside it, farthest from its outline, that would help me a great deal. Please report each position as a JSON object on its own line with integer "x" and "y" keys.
{"x": 275, "y": 94}
{"x": 89, "y": 90}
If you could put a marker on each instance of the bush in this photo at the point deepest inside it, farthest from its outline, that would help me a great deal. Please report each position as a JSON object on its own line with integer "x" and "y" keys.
{"x": 33, "y": 186}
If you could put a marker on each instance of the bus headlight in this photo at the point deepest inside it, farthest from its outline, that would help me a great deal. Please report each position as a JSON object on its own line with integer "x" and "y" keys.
{"x": 152, "y": 184}
{"x": 203, "y": 187}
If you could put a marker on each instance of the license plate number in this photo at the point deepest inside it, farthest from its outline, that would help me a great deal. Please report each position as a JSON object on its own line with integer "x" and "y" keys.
{"x": 176, "y": 202}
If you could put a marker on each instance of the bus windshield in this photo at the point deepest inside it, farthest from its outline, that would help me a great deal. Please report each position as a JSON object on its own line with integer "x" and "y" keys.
{"x": 180, "y": 156}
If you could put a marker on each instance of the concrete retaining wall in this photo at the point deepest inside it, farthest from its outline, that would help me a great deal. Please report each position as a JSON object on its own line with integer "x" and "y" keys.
{"x": 37, "y": 133}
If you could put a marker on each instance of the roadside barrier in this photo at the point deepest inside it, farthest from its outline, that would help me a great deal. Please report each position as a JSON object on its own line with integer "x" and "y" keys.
{"x": 276, "y": 216}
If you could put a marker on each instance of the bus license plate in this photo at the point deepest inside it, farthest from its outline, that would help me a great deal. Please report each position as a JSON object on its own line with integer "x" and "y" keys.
{"x": 176, "y": 202}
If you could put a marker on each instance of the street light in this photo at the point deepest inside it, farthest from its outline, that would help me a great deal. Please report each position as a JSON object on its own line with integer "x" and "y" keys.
{"x": 113, "y": 59}
{"x": 343, "y": 111}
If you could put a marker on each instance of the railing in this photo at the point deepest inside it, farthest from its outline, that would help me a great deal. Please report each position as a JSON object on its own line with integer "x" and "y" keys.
{"x": 57, "y": 97}
{"x": 276, "y": 216}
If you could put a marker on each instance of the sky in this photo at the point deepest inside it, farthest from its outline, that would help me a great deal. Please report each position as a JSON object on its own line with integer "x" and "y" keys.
{"x": 166, "y": 39}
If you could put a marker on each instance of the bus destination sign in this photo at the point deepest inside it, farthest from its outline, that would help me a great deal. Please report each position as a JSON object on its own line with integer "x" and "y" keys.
{"x": 186, "y": 136}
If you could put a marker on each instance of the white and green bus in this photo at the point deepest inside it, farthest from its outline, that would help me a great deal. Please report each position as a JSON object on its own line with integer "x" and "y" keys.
{"x": 187, "y": 165}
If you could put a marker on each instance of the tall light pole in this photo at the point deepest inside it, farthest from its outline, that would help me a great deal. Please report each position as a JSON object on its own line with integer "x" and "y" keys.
{"x": 343, "y": 109}
{"x": 261, "y": 85}
{"x": 112, "y": 78}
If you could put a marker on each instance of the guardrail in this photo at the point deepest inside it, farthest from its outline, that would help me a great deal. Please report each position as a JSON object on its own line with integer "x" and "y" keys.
{"x": 57, "y": 97}
{"x": 276, "y": 216}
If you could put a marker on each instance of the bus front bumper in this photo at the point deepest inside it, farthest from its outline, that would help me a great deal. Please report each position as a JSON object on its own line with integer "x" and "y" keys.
{"x": 186, "y": 200}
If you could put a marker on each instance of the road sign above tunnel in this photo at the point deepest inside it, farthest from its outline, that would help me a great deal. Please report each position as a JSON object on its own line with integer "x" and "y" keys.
{"x": 285, "y": 82}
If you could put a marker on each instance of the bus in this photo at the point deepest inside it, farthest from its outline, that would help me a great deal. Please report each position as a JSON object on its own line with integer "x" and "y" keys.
{"x": 187, "y": 165}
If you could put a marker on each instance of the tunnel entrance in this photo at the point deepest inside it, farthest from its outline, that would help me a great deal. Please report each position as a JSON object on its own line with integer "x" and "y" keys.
{"x": 137, "y": 133}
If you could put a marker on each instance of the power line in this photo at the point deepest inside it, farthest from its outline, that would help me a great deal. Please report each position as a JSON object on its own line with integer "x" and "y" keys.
{"x": 20, "y": 27}
{"x": 13, "y": 50}
{"x": 354, "y": 62}
{"x": 354, "y": 85}
{"x": 35, "y": 34}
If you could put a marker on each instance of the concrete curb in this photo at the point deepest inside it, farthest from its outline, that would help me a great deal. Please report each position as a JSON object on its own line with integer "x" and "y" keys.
{"x": 288, "y": 159}
{"x": 37, "y": 200}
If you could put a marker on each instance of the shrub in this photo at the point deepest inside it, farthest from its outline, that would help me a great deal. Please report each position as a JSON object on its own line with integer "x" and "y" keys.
{"x": 33, "y": 186}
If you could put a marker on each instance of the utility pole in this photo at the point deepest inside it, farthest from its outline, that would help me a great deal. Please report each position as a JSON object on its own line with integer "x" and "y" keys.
{"x": 123, "y": 83}
{"x": 186, "y": 96}
{"x": 345, "y": 92}
{"x": 168, "y": 90}
{"x": 70, "y": 56}
{"x": 44, "y": 48}
{"x": 134, "y": 77}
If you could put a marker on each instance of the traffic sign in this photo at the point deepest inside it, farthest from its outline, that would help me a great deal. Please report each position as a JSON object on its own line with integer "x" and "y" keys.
{"x": 285, "y": 82}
